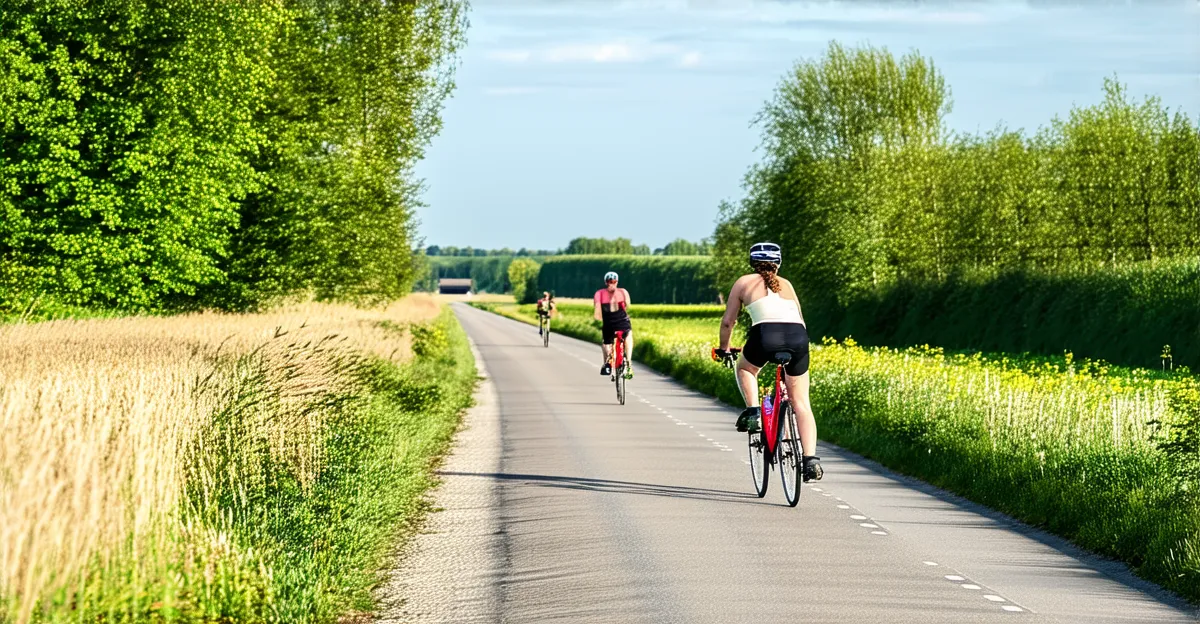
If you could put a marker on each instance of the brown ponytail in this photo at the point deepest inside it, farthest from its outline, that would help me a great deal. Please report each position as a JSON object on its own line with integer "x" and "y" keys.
{"x": 768, "y": 272}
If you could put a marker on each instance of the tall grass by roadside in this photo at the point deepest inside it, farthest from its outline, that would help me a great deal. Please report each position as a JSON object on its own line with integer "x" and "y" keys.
{"x": 255, "y": 468}
{"x": 1107, "y": 457}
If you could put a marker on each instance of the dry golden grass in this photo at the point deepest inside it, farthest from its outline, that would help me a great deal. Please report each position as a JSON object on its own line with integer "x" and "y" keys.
{"x": 99, "y": 416}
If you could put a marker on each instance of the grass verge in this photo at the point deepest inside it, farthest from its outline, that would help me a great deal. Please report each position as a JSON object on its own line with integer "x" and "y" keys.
{"x": 1107, "y": 457}
{"x": 272, "y": 482}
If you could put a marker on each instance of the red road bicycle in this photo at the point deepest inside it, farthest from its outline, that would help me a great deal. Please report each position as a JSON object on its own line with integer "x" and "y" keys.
{"x": 619, "y": 365}
{"x": 778, "y": 440}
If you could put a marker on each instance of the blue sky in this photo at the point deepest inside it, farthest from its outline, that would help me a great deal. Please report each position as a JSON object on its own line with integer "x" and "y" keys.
{"x": 633, "y": 118}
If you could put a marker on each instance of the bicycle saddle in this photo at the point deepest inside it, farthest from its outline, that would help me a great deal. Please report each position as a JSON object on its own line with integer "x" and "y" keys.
{"x": 782, "y": 357}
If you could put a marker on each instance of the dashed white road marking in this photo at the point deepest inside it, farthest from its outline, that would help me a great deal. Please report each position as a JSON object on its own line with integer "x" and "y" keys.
{"x": 929, "y": 563}
{"x": 954, "y": 577}
{"x": 970, "y": 586}
{"x": 858, "y": 517}
{"x": 1012, "y": 608}
{"x": 878, "y": 532}
{"x": 843, "y": 506}
{"x": 868, "y": 525}
{"x": 994, "y": 598}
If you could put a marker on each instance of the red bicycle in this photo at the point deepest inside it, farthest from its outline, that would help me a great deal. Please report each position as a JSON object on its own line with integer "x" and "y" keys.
{"x": 778, "y": 440}
{"x": 619, "y": 366}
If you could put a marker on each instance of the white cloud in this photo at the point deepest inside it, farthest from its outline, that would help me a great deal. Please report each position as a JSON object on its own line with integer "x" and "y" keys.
{"x": 510, "y": 56}
{"x": 510, "y": 91}
{"x": 611, "y": 52}
{"x": 614, "y": 51}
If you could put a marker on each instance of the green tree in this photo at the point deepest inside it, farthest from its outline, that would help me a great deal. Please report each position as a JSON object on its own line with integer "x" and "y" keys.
{"x": 523, "y": 275}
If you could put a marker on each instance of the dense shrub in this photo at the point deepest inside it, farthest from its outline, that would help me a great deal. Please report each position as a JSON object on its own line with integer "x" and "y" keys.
{"x": 1124, "y": 315}
{"x": 649, "y": 279}
{"x": 523, "y": 275}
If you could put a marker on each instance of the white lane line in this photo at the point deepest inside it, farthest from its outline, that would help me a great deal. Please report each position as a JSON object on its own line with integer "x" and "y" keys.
{"x": 858, "y": 517}
{"x": 816, "y": 489}
{"x": 994, "y": 598}
{"x": 929, "y": 563}
{"x": 843, "y": 506}
{"x": 878, "y": 532}
{"x": 1013, "y": 608}
{"x": 868, "y": 525}
{"x": 954, "y": 577}
{"x": 970, "y": 586}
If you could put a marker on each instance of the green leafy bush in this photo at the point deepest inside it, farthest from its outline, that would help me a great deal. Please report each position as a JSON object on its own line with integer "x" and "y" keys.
{"x": 1124, "y": 314}
{"x": 523, "y": 275}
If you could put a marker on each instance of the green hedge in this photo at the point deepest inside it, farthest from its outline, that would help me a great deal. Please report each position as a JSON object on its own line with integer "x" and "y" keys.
{"x": 649, "y": 279}
{"x": 1123, "y": 315}
{"x": 489, "y": 272}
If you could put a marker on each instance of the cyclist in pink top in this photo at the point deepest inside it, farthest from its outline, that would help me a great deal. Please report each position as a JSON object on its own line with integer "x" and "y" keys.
{"x": 612, "y": 310}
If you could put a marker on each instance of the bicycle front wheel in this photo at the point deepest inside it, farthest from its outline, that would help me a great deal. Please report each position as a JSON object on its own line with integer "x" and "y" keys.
{"x": 621, "y": 385}
{"x": 787, "y": 452}
{"x": 546, "y": 334}
{"x": 760, "y": 468}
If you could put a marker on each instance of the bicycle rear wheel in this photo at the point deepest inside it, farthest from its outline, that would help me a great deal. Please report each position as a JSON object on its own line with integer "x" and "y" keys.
{"x": 621, "y": 385}
{"x": 790, "y": 461}
{"x": 760, "y": 468}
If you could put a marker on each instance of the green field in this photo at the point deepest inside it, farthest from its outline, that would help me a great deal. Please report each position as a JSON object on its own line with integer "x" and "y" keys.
{"x": 1105, "y": 456}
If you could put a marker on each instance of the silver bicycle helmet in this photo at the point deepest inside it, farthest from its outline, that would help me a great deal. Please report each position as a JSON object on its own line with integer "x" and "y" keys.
{"x": 611, "y": 276}
{"x": 766, "y": 252}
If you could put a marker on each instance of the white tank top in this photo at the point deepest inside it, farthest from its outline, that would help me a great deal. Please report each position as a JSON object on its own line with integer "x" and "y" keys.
{"x": 773, "y": 309}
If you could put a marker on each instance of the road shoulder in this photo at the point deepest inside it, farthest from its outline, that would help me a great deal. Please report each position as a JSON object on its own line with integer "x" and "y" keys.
{"x": 451, "y": 570}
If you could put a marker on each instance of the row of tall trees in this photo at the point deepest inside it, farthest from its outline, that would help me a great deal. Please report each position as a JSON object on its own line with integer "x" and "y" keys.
{"x": 174, "y": 153}
{"x": 437, "y": 250}
{"x": 864, "y": 187}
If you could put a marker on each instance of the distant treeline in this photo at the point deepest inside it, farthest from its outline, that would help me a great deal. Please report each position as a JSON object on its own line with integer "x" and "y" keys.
{"x": 183, "y": 153}
{"x": 864, "y": 187}
{"x": 489, "y": 267}
{"x": 650, "y": 279}
{"x": 584, "y": 246}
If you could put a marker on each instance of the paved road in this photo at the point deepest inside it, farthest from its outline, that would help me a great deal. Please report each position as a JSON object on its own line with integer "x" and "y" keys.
{"x": 643, "y": 513}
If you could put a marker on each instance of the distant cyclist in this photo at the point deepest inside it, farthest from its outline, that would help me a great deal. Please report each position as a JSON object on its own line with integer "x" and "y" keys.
{"x": 545, "y": 306}
{"x": 777, "y": 324}
{"x": 612, "y": 310}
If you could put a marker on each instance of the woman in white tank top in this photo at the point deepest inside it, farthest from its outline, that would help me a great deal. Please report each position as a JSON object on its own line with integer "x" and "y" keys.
{"x": 777, "y": 324}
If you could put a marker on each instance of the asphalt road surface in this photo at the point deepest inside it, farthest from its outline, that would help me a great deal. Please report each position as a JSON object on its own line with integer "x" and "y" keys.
{"x": 596, "y": 512}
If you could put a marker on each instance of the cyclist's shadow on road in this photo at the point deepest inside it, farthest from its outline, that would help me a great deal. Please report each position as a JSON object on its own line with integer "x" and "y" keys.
{"x": 616, "y": 487}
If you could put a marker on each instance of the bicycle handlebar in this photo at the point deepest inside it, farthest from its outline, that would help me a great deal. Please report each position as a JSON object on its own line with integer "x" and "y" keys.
{"x": 725, "y": 357}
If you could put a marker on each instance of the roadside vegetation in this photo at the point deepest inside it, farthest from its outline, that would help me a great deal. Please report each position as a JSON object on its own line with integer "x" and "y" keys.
{"x": 1107, "y": 457}
{"x": 899, "y": 231}
{"x": 210, "y": 467}
{"x": 190, "y": 154}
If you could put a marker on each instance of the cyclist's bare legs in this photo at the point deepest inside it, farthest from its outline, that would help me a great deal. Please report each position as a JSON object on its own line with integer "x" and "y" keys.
{"x": 606, "y": 350}
{"x": 797, "y": 388}
{"x": 747, "y": 380}
{"x": 629, "y": 346}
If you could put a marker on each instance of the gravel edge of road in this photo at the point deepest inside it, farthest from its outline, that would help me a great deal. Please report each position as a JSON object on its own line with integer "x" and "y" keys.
{"x": 451, "y": 570}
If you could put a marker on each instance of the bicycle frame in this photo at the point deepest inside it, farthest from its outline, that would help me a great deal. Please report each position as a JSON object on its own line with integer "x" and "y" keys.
{"x": 770, "y": 422}
{"x": 618, "y": 355}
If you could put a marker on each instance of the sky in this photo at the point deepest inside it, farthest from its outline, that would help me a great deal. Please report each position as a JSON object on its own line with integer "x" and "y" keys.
{"x": 607, "y": 118}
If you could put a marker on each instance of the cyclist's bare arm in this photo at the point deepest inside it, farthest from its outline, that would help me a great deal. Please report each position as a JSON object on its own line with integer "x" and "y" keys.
{"x": 596, "y": 312}
{"x": 733, "y": 305}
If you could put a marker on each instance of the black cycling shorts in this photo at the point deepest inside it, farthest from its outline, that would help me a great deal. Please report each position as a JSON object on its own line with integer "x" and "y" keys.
{"x": 766, "y": 339}
{"x": 610, "y": 331}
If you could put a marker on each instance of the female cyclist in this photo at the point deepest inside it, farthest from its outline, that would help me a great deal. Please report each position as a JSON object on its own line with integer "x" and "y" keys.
{"x": 777, "y": 324}
{"x": 612, "y": 310}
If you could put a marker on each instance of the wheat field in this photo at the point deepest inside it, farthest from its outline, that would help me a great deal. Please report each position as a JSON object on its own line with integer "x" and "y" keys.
{"x": 104, "y": 424}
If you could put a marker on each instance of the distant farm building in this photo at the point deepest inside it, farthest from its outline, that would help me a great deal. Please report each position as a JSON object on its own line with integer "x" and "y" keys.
{"x": 454, "y": 286}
